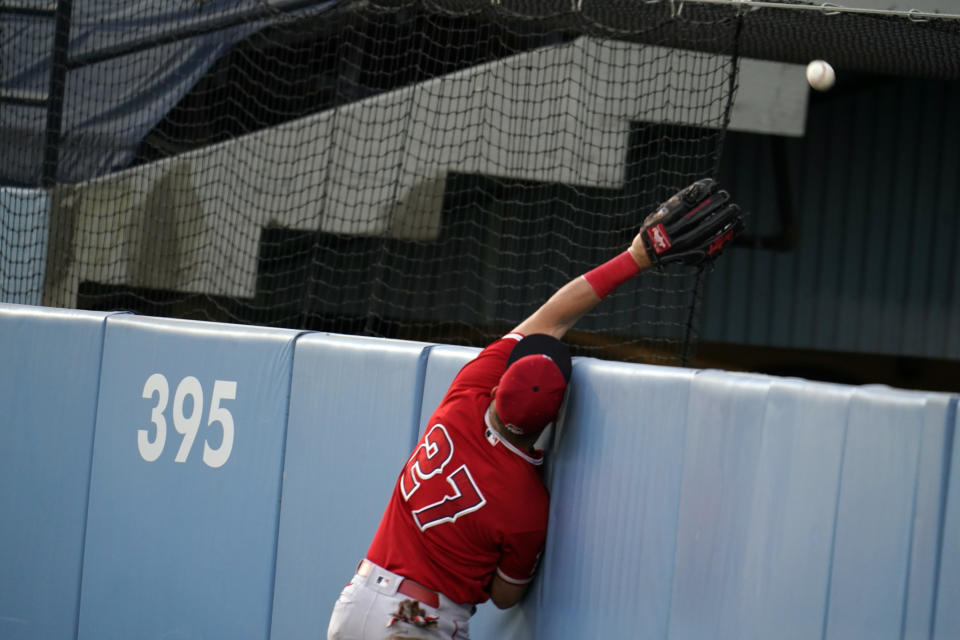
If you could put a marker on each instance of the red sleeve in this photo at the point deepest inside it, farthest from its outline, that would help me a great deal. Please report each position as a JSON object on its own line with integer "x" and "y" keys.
{"x": 521, "y": 555}
{"x": 485, "y": 370}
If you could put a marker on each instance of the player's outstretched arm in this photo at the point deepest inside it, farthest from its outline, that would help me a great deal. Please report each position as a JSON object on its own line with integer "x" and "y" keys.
{"x": 692, "y": 228}
{"x": 573, "y": 300}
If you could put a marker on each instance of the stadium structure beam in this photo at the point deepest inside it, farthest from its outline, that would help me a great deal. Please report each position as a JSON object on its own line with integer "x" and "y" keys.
{"x": 826, "y": 8}
{"x": 55, "y": 94}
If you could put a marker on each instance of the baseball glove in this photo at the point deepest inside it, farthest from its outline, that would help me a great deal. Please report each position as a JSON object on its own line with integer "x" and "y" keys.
{"x": 693, "y": 226}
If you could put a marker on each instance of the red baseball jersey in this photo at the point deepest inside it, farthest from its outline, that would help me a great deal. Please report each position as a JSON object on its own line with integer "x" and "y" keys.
{"x": 467, "y": 503}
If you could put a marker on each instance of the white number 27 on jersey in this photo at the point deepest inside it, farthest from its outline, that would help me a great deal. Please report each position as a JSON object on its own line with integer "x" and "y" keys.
{"x": 434, "y": 496}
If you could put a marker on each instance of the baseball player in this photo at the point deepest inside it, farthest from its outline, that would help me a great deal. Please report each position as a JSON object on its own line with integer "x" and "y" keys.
{"x": 468, "y": 516}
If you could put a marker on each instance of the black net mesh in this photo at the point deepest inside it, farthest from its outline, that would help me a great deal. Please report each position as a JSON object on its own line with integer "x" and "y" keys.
{"x": 422, "y": 170}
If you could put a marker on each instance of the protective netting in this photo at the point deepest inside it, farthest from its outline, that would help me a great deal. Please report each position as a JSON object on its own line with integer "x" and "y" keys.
{"x": 423, "y": 170}
{"x": 404, "y": 169}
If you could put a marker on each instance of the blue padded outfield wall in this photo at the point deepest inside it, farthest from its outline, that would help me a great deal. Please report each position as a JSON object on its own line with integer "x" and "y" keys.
{"x": 176, "y": 479}
{"x": 185, "y": 481}
{"x": 49, "y": 380}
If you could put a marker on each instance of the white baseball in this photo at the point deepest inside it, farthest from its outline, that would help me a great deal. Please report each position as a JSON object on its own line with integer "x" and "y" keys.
{"x": 820, "y": 75}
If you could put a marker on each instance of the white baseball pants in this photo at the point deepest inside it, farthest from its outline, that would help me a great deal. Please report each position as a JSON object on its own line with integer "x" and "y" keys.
{"x": 367, "y": 608}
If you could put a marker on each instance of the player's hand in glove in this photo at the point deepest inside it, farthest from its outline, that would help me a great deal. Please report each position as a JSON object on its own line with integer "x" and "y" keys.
{"x": 692, "y": 227}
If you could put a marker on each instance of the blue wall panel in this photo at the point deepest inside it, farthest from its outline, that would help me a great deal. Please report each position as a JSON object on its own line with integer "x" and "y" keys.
{"x": 48, "y": 390}
{"x": 721, "y": 466}
{"x": 181, "y": 539}
{"x": 931, "y": 487}
{"x": 354, "y": 412}
{"x": 615, "y": 487}
{"x": 875, "y": 515}
{"x": 779, "y": 587}
{"x": 947, "y": 612}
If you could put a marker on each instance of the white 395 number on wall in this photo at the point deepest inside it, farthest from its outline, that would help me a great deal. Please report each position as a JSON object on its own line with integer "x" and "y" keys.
{"x": 157, "y": 388}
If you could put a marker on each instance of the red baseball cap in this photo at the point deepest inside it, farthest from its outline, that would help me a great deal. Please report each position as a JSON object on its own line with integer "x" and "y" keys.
{"x": 531, "y": 390}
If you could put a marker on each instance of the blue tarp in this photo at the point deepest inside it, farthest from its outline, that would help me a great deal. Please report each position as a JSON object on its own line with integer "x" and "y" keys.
{"x": 111, "y": 105}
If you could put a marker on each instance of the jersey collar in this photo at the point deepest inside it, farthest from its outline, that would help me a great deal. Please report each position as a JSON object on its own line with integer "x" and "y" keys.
{"x": 493, "y": 438}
